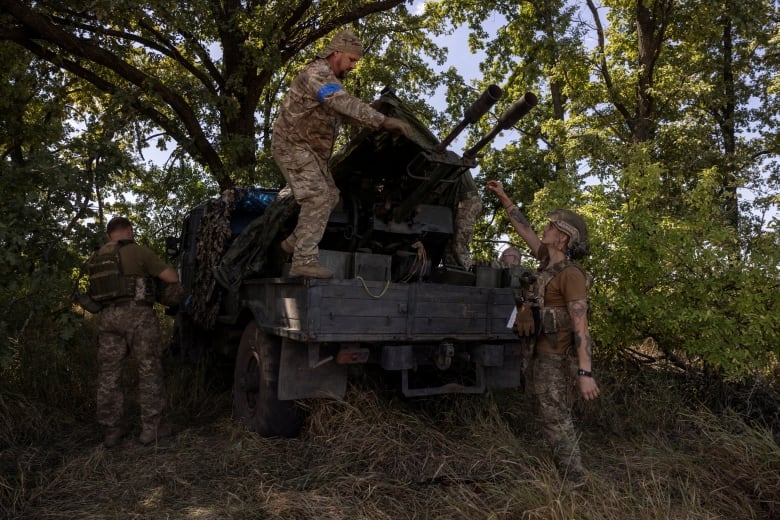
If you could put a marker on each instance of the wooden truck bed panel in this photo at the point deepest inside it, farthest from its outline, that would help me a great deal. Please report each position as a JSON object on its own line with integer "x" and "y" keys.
{"x": 355, "y": 310}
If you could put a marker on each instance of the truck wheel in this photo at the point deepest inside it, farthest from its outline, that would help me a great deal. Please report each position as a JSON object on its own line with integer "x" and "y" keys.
{"x": 255, "y": 398}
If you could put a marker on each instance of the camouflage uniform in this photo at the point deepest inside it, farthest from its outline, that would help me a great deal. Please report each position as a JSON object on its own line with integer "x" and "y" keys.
{"x": 302, "y": 144}
{"x": 551, "y": 377}
{"x": 129, "y": 325}
{"x": 466, "y": 214}
{"x": 551, "y": 380}
{"x": 123, "y": 330}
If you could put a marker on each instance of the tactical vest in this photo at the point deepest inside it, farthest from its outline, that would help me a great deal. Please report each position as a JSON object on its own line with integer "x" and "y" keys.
{"x": 551, "y": 320}
{"x": 108, "y": 283}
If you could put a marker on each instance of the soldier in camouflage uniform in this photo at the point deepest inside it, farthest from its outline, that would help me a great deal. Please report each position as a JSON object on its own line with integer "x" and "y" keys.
{"x": 303, "y": 137}
{"x": 562, "y": 357}
{"x": 128, "y": 325}
{"x": 469, "y": 207}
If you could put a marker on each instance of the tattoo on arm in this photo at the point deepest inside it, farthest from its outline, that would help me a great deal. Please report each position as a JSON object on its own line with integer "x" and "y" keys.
{"x": 578, "y": 311}
{"x": 579, "y": 341}
{"x": 515, "y": 214}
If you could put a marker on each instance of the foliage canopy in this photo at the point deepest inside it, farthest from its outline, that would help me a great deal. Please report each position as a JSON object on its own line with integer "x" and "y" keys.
{"x": 657, "y": 121}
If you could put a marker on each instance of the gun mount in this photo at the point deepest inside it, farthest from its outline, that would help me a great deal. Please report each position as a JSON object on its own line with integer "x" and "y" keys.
{"x": 399, "y": 195}
{"x": 400, "y": 191}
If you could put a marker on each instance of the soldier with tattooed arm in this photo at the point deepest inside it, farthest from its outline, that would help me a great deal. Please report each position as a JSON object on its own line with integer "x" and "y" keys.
{"x": 562, "y": 354}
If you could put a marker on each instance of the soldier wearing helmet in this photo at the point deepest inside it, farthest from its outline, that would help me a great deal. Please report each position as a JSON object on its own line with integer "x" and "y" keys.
{"x": 562, "y": 351}
{"x": 509, "y": 257}
{"x": 303, "y": 137}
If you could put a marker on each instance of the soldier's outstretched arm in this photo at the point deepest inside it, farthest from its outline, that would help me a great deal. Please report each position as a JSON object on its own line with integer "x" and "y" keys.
{"x": 518, "y": 220}
{"x": 586, "y": 383}
{"x": 398, "y": 126}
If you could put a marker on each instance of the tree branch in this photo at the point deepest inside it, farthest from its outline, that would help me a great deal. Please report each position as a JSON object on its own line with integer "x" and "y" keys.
{"x": 39, "y": 27}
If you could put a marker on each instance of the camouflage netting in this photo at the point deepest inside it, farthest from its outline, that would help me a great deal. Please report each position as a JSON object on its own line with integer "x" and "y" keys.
{"x": 213, "y": 236}
{"x": 247, "y": 254}
{"x": 224, "y": 261}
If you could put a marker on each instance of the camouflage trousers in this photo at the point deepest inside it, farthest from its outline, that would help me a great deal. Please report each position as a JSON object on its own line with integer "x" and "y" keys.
{"x": 551, "y": 380}
{"x": 468, "y": 210}
{"x": 314, "y": 190}
{"x": 123, "y": 331}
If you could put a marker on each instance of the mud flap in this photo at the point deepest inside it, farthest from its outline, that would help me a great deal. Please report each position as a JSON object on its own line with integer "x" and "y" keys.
{"x": 509, "y": 373}
{"x": 302, "y": 374}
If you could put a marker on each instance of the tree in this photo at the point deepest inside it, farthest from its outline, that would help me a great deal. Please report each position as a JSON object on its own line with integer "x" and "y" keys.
{"x": 203, "y": 72}
{"x": 46, "y": 196}
{"x": 644, "y": 126}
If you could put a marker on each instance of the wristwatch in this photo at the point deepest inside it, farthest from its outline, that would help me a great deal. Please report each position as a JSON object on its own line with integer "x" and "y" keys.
{"x": 586, "y": 373}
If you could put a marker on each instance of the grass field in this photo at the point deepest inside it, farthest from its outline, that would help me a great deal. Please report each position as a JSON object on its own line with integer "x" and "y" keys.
{"x": 653, "y": 449}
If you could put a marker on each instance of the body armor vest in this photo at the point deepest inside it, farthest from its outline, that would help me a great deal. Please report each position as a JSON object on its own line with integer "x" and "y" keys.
{"x": 550, "y": 320}
{"x": 108, "y": 283}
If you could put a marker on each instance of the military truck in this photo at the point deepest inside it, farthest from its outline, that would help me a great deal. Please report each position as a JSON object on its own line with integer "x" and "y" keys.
{"x": 396, "y": 305}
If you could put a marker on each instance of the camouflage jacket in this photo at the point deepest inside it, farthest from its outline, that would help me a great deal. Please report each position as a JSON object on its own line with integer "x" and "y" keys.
{"x": 313, "y": 107}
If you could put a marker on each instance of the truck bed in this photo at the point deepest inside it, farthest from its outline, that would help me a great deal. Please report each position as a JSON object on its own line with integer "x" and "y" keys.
{"x": 352, "y": 310}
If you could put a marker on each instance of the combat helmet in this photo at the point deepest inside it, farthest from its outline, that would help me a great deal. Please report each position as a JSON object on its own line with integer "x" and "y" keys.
{"x": 574, "y": 226}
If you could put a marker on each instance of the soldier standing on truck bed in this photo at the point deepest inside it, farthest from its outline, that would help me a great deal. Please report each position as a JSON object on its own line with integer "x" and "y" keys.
{"x": 469, "y": 207}
{"x": 122, "y": 279}
{"x": 563, "y": 347}
{"x": 303, "y": 138}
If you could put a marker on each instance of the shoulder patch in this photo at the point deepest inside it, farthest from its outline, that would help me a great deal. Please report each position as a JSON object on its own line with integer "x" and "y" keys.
{"x": 327, "y": 90}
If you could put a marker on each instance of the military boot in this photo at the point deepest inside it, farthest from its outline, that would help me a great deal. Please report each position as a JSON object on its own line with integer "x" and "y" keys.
{"x": 310, "y": 270}
{"x": 572, "y": 471}
{"x": 113, "y": 437}
{"x": 577, "y": 478}
{"x": 150, "y": 434}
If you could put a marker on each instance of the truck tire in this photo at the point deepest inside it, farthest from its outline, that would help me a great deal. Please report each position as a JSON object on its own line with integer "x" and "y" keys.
{"x": 256, "y": 405}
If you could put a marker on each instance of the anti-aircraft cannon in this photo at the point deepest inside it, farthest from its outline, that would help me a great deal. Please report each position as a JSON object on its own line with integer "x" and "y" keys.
{"x": 395, "y": 302}
{"x": 393, "y": 186}
{"x": 399, "y": 196}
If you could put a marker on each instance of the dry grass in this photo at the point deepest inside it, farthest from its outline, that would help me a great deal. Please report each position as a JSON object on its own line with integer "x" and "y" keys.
{"x": 376, "y": 456}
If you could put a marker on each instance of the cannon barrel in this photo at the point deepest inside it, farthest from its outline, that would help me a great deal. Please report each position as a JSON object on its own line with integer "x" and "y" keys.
{"x": 473, "y": 113}
{"x": 437, "y": 169}
{"x": 507, "y": 120}
{"x": 520, "y": 108}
